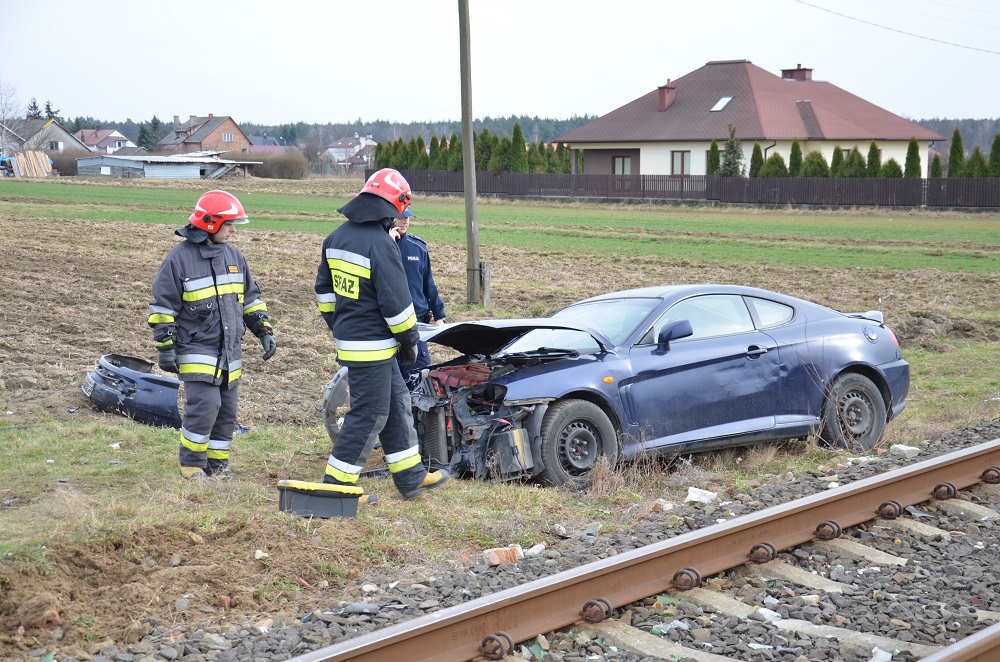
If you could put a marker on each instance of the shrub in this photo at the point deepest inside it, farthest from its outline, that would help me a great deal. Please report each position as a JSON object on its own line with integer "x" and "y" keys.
{"x": 890, "y": 170}
{"x": 290, "y": 165}
{"x": 912, "y": 168}
{"x": 65, "y": 162}
{"x": 814, "y": 165}
{"x": 774, "y": 167}
{"x": 756, "y": 160}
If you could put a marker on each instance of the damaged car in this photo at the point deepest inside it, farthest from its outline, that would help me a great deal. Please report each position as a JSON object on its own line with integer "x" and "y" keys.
{"x": 665, "y": 370}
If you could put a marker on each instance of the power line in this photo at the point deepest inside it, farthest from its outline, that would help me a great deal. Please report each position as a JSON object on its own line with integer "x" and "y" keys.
{"x": 909, "y": 34}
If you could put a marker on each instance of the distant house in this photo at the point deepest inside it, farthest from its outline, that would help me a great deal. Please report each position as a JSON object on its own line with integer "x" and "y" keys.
{"x": 106, "y": 141}
{"x": 669, "y": 131}
{"x": 18, "y": 135}
{"x": 349, "y": 154}
{"x": 198, "y": 134}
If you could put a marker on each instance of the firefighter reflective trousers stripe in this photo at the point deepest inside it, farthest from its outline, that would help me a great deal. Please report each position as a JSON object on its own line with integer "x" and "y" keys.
{"x": 380, "y": 407}
{"x": 208, "y": 424}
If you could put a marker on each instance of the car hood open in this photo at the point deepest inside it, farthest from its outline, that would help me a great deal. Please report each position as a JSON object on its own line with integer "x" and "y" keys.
{"x": 489, "y": 336}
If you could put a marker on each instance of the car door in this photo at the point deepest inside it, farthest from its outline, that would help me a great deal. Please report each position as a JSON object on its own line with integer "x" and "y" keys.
{"x": 721, "y": 381}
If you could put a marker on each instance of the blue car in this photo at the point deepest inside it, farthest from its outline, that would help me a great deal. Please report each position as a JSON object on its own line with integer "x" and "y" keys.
{"x": 672, "y": 369}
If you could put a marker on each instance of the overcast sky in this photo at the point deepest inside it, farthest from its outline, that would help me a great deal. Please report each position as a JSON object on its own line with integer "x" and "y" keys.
{"x": 322, "y": 61}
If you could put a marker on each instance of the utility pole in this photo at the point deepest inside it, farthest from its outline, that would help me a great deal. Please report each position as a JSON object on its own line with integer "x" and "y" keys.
{"x": 474, "y": 273}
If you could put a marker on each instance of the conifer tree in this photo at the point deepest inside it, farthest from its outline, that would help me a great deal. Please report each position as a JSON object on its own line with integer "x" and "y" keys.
{"x": 994, "y": 168}
{"x": 500, "y": 156}
{"x": 50, "y": 113}
{"x": 536, "y": 158}
{"x": 956, "y": 157}
{"x": 561, "y": 161}
{"x": 34, "y": 112}
{"x": 518, "y": 154}
{"x": 434, "y": 155}
{"x": 774, "y": 167}
{"x": 143, "y": 139}
{"x": 854, "y": 165}
{"x": 795, "y": 159}
{"x": 874, "y": 161}
{"x": 423, "y": 160}
{"x": 444, "y": 154}
{"x": 936, "y": 172}
{"x": 381, "y": 159}
{"x": 155, "y": 131}
{"x": 975, "y": 165}
{"x": 836, "y": 161}
{"x": 732, "y": 156}
{"x": 756, "y": 160}
{"x": 814, "y": 165}
{"x": 483, "y": 145}
{"x": 890, "y": 170}
{"x": 455, "y": 156}
{"x": 712, "y": 168}
{"x": 911, "y": 169}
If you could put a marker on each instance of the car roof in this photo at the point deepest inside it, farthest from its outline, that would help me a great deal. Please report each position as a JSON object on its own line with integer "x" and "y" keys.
{"x": 681, "y": 290}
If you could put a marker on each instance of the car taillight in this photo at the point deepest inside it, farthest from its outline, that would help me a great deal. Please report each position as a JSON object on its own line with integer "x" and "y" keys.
{"x": 893, "y": 336}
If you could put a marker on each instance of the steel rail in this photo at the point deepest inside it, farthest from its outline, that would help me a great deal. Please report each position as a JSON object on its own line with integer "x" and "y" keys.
{"x": 983, "y": 646}
{"x": 461, "y": 632}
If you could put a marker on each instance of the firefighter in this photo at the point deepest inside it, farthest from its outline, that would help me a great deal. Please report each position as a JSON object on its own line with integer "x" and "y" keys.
{"x": 362, "y": 293}
{"x": 427, "y": 303}
{"x": 204, "y": 300}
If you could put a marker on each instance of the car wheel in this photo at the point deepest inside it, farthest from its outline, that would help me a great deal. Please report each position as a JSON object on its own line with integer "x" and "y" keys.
{"x": 575, "y": 435}
{"x": 854, "y": 413}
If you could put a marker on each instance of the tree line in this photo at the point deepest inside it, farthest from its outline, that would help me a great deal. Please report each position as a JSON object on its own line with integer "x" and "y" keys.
{"x": 851, "y": 163}
{"x": 492, "y": 153}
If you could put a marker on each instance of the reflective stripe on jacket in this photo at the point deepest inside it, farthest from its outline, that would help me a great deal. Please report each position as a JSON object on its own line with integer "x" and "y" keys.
{"x": 204, "y": 299}
{"x": 362, "y": 293}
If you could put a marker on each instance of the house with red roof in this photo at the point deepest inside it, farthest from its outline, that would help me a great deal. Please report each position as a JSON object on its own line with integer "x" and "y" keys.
{"x": 669, "y": 131}
{"x": 199, "y": 134}
{"x": 105, "y": 141}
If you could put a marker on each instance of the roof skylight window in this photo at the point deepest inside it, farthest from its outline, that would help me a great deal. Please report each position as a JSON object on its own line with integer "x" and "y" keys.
{"x": 720, "y": 104}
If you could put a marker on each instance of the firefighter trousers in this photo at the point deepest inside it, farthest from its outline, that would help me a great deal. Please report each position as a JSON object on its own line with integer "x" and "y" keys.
{"x": 380, "y": 407}
{"x": 208, "y": 424}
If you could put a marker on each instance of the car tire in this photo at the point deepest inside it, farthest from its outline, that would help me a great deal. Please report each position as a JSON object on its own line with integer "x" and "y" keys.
{"x": 854, "y": 414}
{"x": 575, "y": 435}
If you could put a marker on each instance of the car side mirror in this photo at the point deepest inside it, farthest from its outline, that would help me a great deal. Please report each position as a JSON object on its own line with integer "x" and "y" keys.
{"x": 672, "y": 331}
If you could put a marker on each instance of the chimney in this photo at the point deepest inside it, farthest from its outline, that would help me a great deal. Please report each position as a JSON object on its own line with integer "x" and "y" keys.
{"x": 193, "y": 120}
{"x": 177, "y": 121}
{"x": 667, "y": 95}
{"x": 211, "y": 116}
{"x": 798, "y": 73}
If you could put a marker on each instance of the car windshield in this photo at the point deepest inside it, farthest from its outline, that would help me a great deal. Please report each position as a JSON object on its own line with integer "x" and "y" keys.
{"x": 615, "y": 318}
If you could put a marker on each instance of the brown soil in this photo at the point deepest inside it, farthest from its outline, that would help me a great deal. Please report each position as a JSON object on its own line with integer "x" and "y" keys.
{"x": 73, "y": 293}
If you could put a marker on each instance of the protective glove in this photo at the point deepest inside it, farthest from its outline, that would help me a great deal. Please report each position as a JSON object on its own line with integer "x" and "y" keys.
{"x": 269, "y": 344}
{"x": 168, "y": 360}
{"x": 408, "y": 354}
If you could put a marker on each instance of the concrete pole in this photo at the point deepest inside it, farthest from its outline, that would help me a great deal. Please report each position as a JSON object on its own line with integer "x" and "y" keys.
{"x": 473, "y": 268}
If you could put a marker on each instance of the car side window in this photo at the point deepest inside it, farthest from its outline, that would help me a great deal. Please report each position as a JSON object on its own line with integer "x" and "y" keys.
{"x": 710, "y": 315}
{"x": 771, "y": 313}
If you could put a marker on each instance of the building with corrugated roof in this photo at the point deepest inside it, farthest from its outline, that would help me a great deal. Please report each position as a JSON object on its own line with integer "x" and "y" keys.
{"x": 669, "y": 131}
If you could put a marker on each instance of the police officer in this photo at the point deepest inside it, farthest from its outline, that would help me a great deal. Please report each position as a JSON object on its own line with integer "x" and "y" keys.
{"x": 204, "y": 300}
{"x": 427, "y": 303}
{"x": 362, "y": 293}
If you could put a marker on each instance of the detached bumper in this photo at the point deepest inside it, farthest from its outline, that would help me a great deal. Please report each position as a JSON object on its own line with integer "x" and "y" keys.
{"x": 125, "y": 385}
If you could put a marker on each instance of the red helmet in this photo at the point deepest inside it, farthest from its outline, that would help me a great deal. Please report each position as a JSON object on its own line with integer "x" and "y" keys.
{"x": 392, "y": 186}
{"x": 215, "y": 208}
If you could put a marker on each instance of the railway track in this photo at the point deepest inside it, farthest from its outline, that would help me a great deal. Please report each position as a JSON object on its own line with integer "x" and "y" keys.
{"x": 861, "y": 544}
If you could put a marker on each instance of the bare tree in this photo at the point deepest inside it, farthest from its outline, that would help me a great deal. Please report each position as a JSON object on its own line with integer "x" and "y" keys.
{"x": 11, "y": 119}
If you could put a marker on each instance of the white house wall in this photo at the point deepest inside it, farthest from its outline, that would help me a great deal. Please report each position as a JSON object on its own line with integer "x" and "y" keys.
{"x": 655, "y": 158}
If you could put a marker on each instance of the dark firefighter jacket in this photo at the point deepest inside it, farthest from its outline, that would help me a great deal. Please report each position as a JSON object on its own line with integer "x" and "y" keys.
{"x": 361, "y": 286}
{"x": 427, "y": 303}
{"x": 204, "y": 300}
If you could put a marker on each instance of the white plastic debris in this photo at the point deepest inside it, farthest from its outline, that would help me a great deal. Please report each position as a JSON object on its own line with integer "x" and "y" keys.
{"x": 879, "y": 655}
{"x": 260, "y": 554}
{"x": 769, "y": 614}
{"x": 701, "y": 496}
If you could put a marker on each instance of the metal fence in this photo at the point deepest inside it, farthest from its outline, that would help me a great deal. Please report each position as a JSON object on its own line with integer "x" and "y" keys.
{"x": 821, "y": 191}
